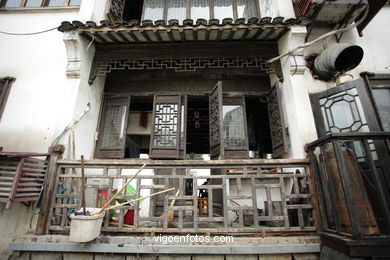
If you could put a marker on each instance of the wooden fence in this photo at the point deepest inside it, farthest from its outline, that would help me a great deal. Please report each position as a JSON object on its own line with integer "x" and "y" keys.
{"x": 210, "y": 196}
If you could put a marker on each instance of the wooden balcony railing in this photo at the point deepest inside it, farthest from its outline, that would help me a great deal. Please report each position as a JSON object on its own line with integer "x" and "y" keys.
{"x": 242, "y": 195}
{"x": 351, "y": 172}
{"x": 22, "y": 176}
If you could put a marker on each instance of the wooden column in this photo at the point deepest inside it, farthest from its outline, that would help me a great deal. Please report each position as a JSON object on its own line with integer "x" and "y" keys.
{"x": 49, "y": 189}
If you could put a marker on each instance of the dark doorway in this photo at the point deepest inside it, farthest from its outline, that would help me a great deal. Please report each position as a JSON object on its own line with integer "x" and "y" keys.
{"x": 139, "y": 126}
{"x": 133, "y": 10}
{"x": 259, "y": 133}
{"x": 198, "y": 125}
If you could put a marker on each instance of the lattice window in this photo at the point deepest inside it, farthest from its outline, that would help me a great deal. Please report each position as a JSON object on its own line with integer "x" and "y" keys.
{"x": 113, "y": 129}
{"x": 165, "y": 125}
{"x": 276, "y": 120}
{"x": 185, "y": 64}
{"x": 343, "y": 112}
{"x": 233, "y": 126}
{"x": 5, "y": 87}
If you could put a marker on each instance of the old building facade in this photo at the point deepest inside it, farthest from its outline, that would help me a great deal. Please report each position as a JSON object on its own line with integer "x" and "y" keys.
{"x": 257, "y": 123}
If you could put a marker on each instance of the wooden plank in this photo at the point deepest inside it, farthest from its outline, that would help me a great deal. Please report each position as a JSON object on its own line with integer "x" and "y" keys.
{"x": 34, "y": 165}
{"x": 254, "y": 202}
{"x": 49, "y": 190}
{"x": 347, "y": 188}
{"x": 186, "y": 163}
{"x": 138, "y": 195}
{"x": 300, "y": 206}
{"x": 27, "y": 189}
{"x": 33, "y": 175}
{"x": 284, "y": 201}
{"x": 19, "y": 195}
{"x": 7, "y": 168}
{"x": 15, "y": 183}
{"x": 7, "y": 178}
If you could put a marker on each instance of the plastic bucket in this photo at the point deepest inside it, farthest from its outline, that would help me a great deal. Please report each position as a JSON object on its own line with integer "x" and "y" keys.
{"x": 85, "y": 228}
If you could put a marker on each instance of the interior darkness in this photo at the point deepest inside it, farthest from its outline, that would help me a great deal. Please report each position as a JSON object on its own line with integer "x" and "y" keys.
{"x": 349, "y": 58}
{"x": 133, "y": 10}
{"x": 198, "y": 140}
{"x": 259, "y": 134}
{"x": 139, "y": 143}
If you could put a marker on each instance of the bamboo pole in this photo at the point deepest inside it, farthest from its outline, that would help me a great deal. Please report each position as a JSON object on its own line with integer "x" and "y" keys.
{"x": 83, "y": 186}
{"x": 135, "y": 200}
{"x": 119, "y": 191}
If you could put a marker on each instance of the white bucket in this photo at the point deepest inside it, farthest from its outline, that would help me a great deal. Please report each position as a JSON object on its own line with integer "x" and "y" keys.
{"x": 85, "y": 228}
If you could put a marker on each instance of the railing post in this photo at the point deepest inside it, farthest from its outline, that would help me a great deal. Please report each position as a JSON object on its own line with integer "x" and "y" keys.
{"x": 384, "y": 200}
{"x": 313, "y": 171}
{"x": 14, "y": 187}
{"x": 49, "y": 189}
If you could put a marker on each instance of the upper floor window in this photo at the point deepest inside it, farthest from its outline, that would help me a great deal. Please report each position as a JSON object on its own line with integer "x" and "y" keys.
{"x": 184, "y": 9}
{"x": 38, "y": 3}
{"x": 5, "y": 87}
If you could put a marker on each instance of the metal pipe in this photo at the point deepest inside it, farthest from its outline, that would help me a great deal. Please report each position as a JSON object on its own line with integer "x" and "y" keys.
{"x": 337, "y": 59}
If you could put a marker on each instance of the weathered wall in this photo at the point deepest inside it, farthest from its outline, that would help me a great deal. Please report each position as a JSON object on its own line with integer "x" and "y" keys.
{"x": 299, "y": 82}
{"x": 43, "y": 100}
{"x": 375, "y": 42}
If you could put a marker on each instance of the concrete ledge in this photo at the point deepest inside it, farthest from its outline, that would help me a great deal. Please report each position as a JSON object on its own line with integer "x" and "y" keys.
{"x": 147, "y": 245}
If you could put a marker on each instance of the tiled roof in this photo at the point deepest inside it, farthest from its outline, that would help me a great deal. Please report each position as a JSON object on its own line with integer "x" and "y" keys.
{"x": 147, "y": 31}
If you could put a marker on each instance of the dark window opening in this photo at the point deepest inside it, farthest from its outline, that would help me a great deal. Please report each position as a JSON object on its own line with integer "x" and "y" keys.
{"x": 198, "y": 125}
{"x": 133, "y": 10}
{"x": 139, "y": 127}
{"x": 259, "y": 134}
{"x": 38, "y": 3}
{"x": 181, "y": 9}
{"x": 5, "y": 87}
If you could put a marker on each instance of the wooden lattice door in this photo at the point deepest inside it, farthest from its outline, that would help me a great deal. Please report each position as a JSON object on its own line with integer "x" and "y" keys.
{"x": 168, "y": 133}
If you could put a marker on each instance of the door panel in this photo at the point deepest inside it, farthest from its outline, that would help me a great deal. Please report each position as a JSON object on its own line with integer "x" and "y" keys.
{"x": 276, "y": 122}
{"x": 112, "y": 129}
{"x": 167, "y": 129}
{"x": 235, "y": 137}
{"x": 215, "y": 118}
{"x": 228, "y": 130}
{"x": 115, "y": 10}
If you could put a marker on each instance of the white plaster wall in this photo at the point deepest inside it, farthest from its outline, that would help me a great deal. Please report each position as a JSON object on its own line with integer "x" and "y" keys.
{"x": 375, "y": 42}
{"x": 295, "y": 97}
{"x": 296, "y": 88}
{"x": 43, "y": 100}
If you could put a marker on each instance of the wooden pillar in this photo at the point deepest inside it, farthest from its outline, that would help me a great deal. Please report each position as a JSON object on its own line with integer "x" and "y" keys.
{"x": 49, "y": 189}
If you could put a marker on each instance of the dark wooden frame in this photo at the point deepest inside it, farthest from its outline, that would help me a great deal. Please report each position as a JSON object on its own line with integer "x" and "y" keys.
{"x": 217, "y": 150}
{"x": 241, "y": 152}
{"x": 251, "y": 170}
{"x": 44, "y": 3}
{"x": 177, "y": 152}
{"x": 356, "y": 243}
{"x": 279, "y": 148}
{"x": 211, "y": 10}
{"x": 7, "y": 84}
{"x": 376, "y": 81}
{"x": 101, "y": 122}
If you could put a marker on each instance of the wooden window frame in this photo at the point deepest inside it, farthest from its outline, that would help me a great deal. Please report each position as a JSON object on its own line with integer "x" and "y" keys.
{"x": 211, "y": 10}
{"x": 44, "y": 3}
{"x": 7, "y": 83}
{"x": 371, "y": 82}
